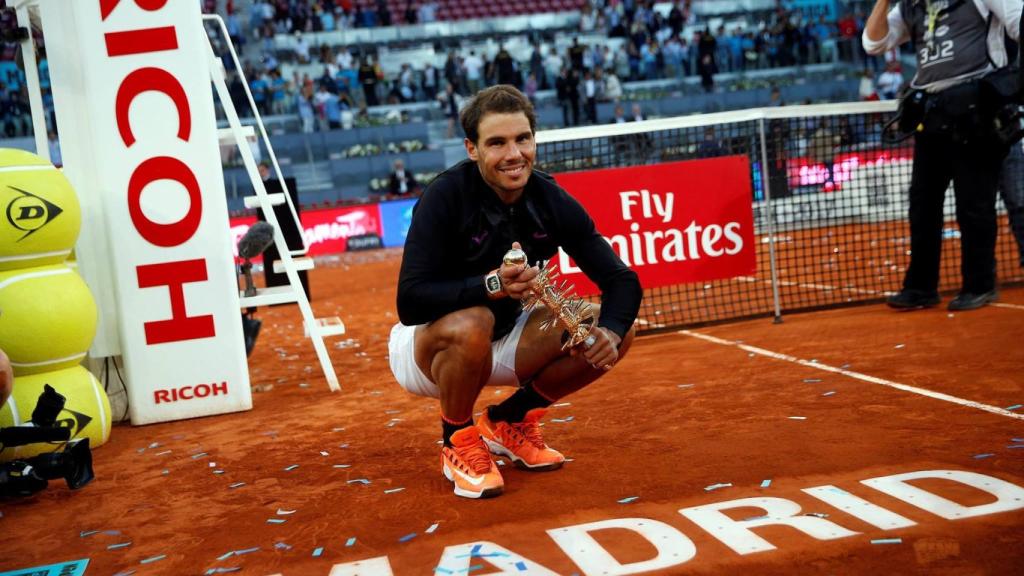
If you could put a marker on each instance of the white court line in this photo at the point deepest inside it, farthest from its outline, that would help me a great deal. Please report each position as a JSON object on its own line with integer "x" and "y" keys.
{"x": 1005, "y": 305}
{"x": 825, "y": 287}
{"x": 856, "y": 375}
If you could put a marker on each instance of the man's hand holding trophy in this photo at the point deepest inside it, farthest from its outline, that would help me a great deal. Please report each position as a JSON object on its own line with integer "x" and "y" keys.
{"x": 534, "y": 285}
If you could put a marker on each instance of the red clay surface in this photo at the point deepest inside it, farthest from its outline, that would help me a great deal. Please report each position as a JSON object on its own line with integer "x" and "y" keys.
{"x": 679, "y": 414}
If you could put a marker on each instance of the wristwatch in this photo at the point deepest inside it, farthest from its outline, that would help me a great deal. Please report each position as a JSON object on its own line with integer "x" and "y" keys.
{"x": 492, "y": 283}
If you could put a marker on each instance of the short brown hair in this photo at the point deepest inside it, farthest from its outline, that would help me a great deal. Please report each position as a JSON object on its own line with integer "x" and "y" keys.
{"x": 501, "y": 99}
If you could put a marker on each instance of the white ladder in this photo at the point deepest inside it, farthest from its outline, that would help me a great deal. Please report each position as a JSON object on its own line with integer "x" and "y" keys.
{"x": 315, "y": 328}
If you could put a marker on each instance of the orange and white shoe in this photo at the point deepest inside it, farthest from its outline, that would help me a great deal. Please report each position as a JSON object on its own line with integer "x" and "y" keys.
{"x": 521, "y": 442}
{"x": 469, "y": 466}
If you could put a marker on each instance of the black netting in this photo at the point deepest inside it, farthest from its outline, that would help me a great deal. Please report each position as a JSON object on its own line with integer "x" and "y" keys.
{"x": 834, "y": 194}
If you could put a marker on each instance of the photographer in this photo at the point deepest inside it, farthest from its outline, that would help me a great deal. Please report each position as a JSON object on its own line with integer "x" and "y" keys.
{"x": 6, "y": 378}
{"x": 958, "y": 43}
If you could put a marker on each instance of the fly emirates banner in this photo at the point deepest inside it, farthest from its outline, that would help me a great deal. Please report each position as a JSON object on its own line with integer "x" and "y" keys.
{"x": 672, "y": 223}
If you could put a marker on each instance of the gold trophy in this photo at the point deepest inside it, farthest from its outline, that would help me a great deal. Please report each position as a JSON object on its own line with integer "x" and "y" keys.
{"x": 569, "y": 311}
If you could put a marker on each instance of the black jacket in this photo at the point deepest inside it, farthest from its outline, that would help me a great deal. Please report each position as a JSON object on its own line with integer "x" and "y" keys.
{"x": 461, "y": 230}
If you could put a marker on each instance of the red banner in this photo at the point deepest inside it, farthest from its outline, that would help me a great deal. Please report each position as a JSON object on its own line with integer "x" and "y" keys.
{"x": 325, "y": 231}
{"x": 672, "y": 223}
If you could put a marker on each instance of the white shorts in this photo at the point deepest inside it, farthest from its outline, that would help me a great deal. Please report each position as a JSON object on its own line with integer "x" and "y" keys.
{"x": 402, "y": 357}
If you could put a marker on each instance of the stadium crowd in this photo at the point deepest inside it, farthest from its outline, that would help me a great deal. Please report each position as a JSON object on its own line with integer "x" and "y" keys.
{"x": 637, "y": 42}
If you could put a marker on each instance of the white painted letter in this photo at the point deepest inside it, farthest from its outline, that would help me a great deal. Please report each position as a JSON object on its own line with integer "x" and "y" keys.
{"x": 378, "y": 566}
{"x": 456, "y": 560}
{"x": 1008, "y": 496}
{"x": 871, "y": 513}
{"x": 736, "y": 534}
{"x": 673, "y": 546}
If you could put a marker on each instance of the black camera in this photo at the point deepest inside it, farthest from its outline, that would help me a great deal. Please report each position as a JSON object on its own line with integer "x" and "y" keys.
{"x": 72, "y": 460}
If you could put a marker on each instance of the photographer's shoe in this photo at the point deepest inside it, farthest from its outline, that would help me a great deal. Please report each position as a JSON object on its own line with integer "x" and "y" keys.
{"x": 520, "y": 441}
{"x": 969, "y": 301}
{"x": 913, "y": 300}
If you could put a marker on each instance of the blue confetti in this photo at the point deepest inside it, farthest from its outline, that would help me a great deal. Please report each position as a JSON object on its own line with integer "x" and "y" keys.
{"x": 246, "y": 551}
{"x": 1014, "y": 407}
{"x": 120, "y": 545}
{"x": 1012, "y": 446}
{"x": 276, "y": 520}
{"x": 91, "y": 532}
{"x": 393, "y": 490}
{"x": 282, "y": 546}
{"x": 829, "y": 393}
{"x": 407, "y": 537}
{"x": 153, "y": 559}
{"x": 359, "y": 480}
{"x": 351, "y": 541}
{"x": 318, "y": 551}
{"x": 628, "y": 499}
{"x": 980, "y": 456}
{"x": 717, "y": 486}
{"x": 887, "y": 541}
{"x": 475, "y": 550}
{"x": 1016, "y": 439}
{"x": 521, "y": 566}
{"x": 766, "y": 483}
{"x": 442, "y": 570}
{"x": 292, "y": 467}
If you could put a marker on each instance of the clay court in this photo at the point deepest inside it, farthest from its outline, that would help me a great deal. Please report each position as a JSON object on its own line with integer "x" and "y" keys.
{"x": 311, "y": 479}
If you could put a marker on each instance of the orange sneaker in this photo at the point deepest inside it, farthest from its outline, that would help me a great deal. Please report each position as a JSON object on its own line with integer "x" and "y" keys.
{"x": 469, "y": 466}
{"x": 520, "y": 441}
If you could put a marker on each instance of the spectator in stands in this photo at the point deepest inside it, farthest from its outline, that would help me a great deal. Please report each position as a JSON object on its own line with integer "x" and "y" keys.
{"x": 450, "y": 102}
{"x": 709, "y": 147}
{"x": 453, "y": 71}
{"x": 402, "y": 183}
{"x": 301, "y": 48}
{"x": 505, "y": 68}
{"x": 590, "y": 94}
{"x": 304, "y": 102}
{"x": 620, "y": 115}
{"x": 411, "y": 14}
{"x": 775, "y": 97}
{"x": 461, "y": 321}
{"x": 637, "y": 114}
{"x": 369, "y": 74}
{"x": 343, "y": 59}
{"x": 431, "y": 79}
{"x": 612, "y": 86}
{"x": 531, "y": 88}
{"x": 891, "y": 81}
{"x": 867, "y": 89}
{"x": 473, "y": 66}
{"x": 383, "y": 13}
{"x": 406, "y": 83}
{"x": 1011, "y": 188}
{"x": 821, "y": 148}
{"x": 567, "y": 92}
{"x": 428, "y": 11}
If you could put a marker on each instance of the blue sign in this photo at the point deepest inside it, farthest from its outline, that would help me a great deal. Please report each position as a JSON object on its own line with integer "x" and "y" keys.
{"x": 395, "y": 218}
{"x": 71, "y": 568}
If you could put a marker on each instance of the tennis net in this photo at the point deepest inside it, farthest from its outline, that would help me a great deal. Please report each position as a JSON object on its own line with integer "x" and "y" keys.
{"x": 829, "y": 201}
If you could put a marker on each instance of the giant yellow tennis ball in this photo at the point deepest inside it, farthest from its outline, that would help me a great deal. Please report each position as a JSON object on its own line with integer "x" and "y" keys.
{"x": 86, "y": 410}
{"x": 47, "y": 318}
{"x": 39, "y": 212}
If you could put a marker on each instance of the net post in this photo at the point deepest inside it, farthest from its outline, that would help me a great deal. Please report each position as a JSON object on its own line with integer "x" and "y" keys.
{"x": 770, "y": 222}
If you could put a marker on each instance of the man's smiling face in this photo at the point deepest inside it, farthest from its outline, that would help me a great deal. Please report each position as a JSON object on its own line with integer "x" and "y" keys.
{"x": 504, "y": 152}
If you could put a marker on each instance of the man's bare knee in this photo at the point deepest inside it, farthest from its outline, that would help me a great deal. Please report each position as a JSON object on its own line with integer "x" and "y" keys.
{"x": 469, "y": 329}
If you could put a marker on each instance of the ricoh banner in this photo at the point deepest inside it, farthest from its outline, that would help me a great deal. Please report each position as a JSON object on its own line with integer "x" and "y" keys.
{"x": 672, "y": 223}
{"x": 134, "y": 105}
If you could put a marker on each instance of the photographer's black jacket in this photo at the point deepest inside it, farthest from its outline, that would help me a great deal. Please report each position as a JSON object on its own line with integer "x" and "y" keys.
{"x": 461, "y": 230}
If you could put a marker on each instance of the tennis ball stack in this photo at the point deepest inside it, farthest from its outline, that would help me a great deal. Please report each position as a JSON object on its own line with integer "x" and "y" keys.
{"x": 47, "y": 313}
